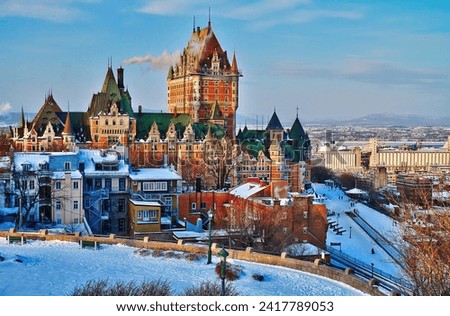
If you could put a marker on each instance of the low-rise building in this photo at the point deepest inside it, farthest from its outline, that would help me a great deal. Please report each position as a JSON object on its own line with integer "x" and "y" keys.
{"x": 153, "y": 203}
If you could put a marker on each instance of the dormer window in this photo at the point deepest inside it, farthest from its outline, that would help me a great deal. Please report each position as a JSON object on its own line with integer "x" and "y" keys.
{"x": 26, "y": 167}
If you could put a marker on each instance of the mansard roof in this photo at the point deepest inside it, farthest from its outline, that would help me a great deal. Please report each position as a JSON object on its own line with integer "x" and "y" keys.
{"x": 46, "y": 114}
{"x": 201, "y": 47}
{"x": 110, "y": 93}
{"x": 144, "y": 122}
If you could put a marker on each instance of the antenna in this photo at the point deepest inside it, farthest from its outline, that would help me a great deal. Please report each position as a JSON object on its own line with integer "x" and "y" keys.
{"x": 209, "y": 17}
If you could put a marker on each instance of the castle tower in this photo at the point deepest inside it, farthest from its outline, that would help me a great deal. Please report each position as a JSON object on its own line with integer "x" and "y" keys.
{"x": 204, "y": 82}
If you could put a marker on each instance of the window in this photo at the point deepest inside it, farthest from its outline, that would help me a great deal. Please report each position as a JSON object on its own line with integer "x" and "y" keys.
{"x": 108, "y": 183}
{"x": 121, "y": 205}
{"x": 305, "y": 230}
{"x": 98, "y": 184}
{"x": 121, "y": 224}
{"x": 75, "y": 220}
{"x": 305, "y": 214}
{"x": 203, "y": 205}
{"x": 168, "y": 202}
{"x": 31, "y": 184}
{"x": 58, "y": 205}
{"x": 147, "y": 216}
{"x": 58, "y": 185}
{"x": 75, "y": 205}
{"x": 58, "y": 220}
{"x": 284, "y": 215}
{"x": 75, "y": 185}
{"x": 154, "y": 186}
{"x": 67, "y": 165}
{"x": 193, "y": 206}
{"x": 122, "y": 184}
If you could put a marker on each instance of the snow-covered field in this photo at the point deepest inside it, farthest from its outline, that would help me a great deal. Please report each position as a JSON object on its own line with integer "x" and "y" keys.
{"x": 56, "y": 268}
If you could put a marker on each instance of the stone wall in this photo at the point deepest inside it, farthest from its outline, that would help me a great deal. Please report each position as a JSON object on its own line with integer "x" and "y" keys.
{"x": 315, "y": 267}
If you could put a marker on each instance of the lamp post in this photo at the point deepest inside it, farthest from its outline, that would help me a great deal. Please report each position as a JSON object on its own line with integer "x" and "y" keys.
{"x": 350, "y": 232}
{"x": 210, "y": 217}
{"x": 223, "y": 254}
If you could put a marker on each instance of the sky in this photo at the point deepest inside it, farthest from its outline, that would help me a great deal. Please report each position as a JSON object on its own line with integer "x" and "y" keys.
{"x": 330, "y": 59}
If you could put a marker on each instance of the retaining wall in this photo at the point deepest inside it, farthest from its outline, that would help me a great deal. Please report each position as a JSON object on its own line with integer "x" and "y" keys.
{"x": 315, "y": 267}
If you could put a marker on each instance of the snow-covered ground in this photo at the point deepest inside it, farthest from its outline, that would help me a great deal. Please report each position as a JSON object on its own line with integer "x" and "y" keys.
{"x": 360, "y": 245}
{"x": 56, "y": 268}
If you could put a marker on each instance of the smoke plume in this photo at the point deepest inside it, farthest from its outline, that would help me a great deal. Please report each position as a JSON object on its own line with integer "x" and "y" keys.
{"x": 161, "y": 62}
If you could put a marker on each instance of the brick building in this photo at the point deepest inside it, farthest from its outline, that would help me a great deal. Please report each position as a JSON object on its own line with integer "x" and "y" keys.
{"x": 288, "y": 218}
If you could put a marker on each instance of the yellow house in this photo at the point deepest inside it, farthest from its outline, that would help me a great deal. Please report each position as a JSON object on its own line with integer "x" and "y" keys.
{"x": 145, "y": 216}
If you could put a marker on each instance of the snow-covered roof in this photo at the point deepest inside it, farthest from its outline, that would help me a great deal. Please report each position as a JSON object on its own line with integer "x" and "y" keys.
{"x": 145, "y": 203}
{"x": 355, "y": 191}
{"x": 154, "y": 174}
{"x": 75, "y": 174}
{"x": 247, "y": 189}
{"x": 5, "y": 162}
{"x": 32, "y": 159}
{"x": 90, "y": 157}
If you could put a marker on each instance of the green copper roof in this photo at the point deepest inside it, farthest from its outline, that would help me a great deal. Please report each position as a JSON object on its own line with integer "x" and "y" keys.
{"x": 297, "y": 131}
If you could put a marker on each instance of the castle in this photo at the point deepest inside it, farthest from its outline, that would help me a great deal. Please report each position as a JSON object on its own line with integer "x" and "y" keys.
{"x": 203, "y": 98}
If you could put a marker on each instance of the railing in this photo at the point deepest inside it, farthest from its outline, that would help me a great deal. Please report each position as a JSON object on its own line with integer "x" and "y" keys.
{"x": 368, "y": 271}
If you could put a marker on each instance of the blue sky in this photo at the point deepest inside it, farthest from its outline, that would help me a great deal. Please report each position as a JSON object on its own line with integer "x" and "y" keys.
{"x": 332, "y": 59}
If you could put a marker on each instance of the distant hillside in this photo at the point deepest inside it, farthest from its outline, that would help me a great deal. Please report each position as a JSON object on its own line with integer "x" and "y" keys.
{"x": 10, "y": 119}
{"x": 370, "y": 120}
{"x": 389, "y": 119}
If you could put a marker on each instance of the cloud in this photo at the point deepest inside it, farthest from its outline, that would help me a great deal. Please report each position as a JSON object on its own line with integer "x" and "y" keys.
{"x": 5, "y": 108}
{"x": 161, "y": 62}
{"x": 50, "y": 10}
{"x": 259, "y": 14}
{"x": 367, "y": 71}
{"x": 172, "y": 7}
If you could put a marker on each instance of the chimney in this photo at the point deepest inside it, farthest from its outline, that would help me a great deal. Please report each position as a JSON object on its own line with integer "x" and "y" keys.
{"x": 140, "y": 109}
{"x": 120, "y": 78}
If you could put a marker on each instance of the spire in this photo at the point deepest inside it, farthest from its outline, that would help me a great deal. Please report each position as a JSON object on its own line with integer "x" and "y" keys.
{"x": 274, "y": 123}
{"x": 193, "y": 25}
{"x": 234, "y": 66}
{"x": 68, "y": 125}
{"x": 22, "y": 119}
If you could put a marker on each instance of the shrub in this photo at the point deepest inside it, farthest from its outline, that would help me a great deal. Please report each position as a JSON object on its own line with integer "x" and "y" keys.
{"x": 258, "y": 277}
{"x": 207, "y": 288}
{"x": 193, "y": 256}
{"x": 157, "y": 253}
{"x": 142, "y": 252}
{"x": 172, "y": 255}
{"x": 120, "y": 288}
{"x": 232, "y": 272}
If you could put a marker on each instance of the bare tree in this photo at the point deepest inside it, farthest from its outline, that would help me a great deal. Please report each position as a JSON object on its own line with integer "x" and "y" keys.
{"x": 26, "y": 191}
{"x": 218, "y": 161}
{"x": 253, "y": 226}
{"x": 424, "y": 239}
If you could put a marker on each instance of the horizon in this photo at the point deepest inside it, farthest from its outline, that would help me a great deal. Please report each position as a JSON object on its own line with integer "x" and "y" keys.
{"x": 333, "y": 61}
